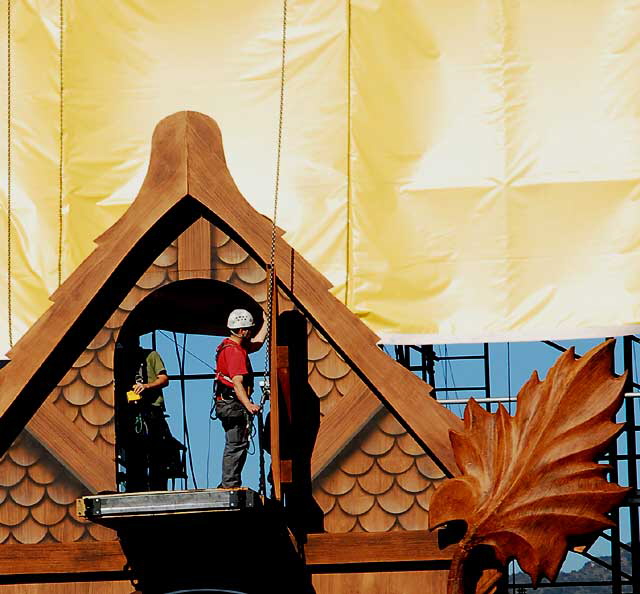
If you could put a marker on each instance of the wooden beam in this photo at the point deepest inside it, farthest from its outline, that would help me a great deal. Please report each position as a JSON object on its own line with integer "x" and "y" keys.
{"x": 274, "y": 395}
{"x": 194, "y": 251}
{"x": 284, "y": 393}
{"x": 320, "y": 549}
{"x": 284, "y": 379}
{"x": 346, "y": 419}
{"x": 61, "y": 558}
{"x": 72, "y": 449}
{"x": 375, "y": 547}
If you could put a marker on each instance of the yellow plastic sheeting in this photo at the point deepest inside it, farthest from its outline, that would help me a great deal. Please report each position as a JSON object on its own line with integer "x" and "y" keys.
{"x": 495, "y": 169}
{"x": 128, "y": 64}
{"x": 34, "y": 164}
{"x": 460, "y": 171}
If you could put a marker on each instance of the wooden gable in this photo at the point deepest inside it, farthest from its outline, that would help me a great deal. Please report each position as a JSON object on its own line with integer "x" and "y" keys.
{"x": 185, "y": 182}
{"x": 371, "y": 472}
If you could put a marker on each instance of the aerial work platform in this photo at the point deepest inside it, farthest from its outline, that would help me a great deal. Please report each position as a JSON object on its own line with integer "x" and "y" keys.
{"x": 119, "y": 506}
{"x": 174, "y": 540}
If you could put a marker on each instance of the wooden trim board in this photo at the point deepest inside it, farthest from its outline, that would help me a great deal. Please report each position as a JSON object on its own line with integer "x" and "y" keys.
{"x": 71, "y": 448}
{"x": 346, "y": 419}
{"x": 64, "y": 557}
{"x": 375, "y": 547}
{"x": 320, "y": 549}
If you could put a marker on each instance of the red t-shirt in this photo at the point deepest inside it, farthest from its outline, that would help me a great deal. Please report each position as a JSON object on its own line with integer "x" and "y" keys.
{"x": 231, "y": 360}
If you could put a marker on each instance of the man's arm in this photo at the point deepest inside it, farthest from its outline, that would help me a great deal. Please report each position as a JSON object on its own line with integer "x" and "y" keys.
{"x": 241, "y": 393}
{"x": 160, "y": 382}
{"x": 157, "y": 365}
{"x": 257, "y": 341}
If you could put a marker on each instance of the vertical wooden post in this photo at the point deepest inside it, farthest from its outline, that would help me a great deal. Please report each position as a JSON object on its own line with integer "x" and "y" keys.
{"x": 286, "y": 418}
{"x": 273, "y": 396}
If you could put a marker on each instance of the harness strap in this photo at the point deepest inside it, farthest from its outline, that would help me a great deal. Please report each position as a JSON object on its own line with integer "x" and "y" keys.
{"x": 222, "y": 390}
{"x": 221, "y": 348}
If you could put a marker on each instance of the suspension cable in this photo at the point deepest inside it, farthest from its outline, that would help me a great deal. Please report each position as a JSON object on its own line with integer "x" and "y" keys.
{"x": 509, "y": 377}
{"x": 9, "y": 258}
{"x": 271, "y": 272}
{"x": 276, "y": 193}
{"x": 185, "y": 425}
{"x": 189, "y": 352}
{"x": 61, "y": 144}
{"x": 209, "y": 449}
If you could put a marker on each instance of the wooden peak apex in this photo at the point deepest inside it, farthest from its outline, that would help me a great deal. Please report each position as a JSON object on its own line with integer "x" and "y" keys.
{"x": 177, "y": 140}
{"x": 192, "y": 128}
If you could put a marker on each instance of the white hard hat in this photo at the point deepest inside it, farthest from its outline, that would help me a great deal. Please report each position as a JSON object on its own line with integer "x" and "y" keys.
{"x": 239, "y": 318}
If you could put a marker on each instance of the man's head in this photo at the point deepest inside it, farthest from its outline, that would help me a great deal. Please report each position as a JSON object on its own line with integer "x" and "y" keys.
{"x": 240, "y": 323}
{"x": 128, "y": 342}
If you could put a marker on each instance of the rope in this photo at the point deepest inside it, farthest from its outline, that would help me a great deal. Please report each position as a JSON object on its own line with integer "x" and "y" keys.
{"x": 185, "y": 425}
{"x": 61, "y": 144}
{"x": 262, "y": 483}
{"x": 509, "y": 377}
{"x": 349, "y": 239}
{"x": 209, "y": 449}
{"x": 9, "y": 287}
{"x": 188, "y": 351}
{"x": 276, "y": 193}
{"x": 272, "y": 256}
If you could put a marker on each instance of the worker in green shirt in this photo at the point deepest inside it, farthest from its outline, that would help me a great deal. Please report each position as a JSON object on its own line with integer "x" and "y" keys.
{"x": 150, "y": 454}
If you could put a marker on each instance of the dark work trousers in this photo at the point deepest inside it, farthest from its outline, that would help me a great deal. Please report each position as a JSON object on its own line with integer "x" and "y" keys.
{"x": 235, "y": 422}
{"x": 146, "y": 459}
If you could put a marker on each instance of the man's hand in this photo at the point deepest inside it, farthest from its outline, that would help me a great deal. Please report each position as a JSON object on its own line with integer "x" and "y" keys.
{"x": 253, "y": 408}
{"x": 259, "y": 338}
{"x": 242, "y": 395}
{"x": 160, "y": 382}
{"x": 138, "y": 388}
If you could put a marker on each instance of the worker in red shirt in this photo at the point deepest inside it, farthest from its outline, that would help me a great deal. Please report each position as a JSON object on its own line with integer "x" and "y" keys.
{"x": 234, "y": 385}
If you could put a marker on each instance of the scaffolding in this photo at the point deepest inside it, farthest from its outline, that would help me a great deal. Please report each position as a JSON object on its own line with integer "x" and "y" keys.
{"x": 623, "y": 568}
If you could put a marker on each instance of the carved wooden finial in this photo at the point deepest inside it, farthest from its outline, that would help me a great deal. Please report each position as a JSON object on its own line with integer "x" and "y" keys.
{"x": 529, "y": 483}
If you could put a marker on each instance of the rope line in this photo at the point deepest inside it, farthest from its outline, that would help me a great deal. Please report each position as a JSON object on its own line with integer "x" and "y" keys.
{"x": 276, "y": 193}
{"x": 509, "y": 377}
{"x": 9, "y": 259}
{"x": 185, "y": 425}
{"x": 347, "y": 284}
{"x": 271, "y": 285}
{"x": 61, "y": 143}
{"x": 188, "y": 351}
{"x": 635, "y": 363}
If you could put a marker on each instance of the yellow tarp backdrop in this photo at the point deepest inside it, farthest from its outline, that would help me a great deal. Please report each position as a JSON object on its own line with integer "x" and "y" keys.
{"x": 460, "y": 170}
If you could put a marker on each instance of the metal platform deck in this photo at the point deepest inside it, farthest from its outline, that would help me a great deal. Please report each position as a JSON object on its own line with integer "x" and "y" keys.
{"x": 163, "y": 503}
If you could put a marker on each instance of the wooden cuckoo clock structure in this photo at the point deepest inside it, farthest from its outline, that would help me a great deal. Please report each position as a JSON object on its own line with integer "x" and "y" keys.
{"x": 376, "y": 487}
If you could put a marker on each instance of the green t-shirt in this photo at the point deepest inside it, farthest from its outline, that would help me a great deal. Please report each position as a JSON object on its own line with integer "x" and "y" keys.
{"x": 155, "y": 365}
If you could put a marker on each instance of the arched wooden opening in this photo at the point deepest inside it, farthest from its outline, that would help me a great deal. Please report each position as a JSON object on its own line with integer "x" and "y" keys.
{"x": 147, "y": 454}
{"x": 192, "y": 306}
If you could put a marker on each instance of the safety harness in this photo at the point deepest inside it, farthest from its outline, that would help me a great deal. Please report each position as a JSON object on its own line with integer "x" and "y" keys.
{"x": 222, "y": 391}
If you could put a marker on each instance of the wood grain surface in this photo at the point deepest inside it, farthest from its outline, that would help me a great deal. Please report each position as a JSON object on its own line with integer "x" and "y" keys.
{"x": 383, "y": 582}
{"x": 374, "y": 547}
{"x": 530, "y": 484}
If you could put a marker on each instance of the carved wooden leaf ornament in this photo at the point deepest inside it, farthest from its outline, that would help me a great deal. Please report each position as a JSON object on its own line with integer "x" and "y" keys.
{"x": 529, "y": 482}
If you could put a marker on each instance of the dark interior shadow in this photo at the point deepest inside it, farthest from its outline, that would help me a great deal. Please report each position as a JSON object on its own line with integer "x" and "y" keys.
{"x": 299, "y": 436}
{"x": 244, "y": 552}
